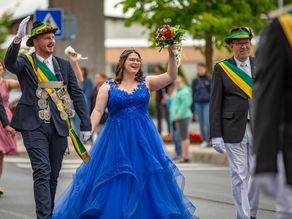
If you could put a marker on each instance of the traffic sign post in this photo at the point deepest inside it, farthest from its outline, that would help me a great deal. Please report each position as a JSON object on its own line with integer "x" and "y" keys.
{"x": 53, "y": 17}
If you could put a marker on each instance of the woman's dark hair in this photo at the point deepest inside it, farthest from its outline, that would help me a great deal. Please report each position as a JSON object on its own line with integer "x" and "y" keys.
{"x": 119, "y": 72}
{"x": 84, "y": 71}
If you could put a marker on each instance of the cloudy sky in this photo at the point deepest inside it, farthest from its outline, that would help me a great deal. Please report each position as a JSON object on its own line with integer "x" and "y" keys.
{"x": 22, "y": 8}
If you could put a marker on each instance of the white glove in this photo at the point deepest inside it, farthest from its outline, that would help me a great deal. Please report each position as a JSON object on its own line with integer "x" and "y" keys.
{"x": 69, "y": 50}
{"x": 22, "y": 27}
{"x": 85, "y": 135}
{"x": 218, "y": 145}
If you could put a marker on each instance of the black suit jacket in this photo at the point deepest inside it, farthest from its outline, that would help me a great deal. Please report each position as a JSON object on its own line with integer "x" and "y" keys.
{"x": 26, "y": 113}
{"x": 3, "y": 116}
{"x": 228, "y": 106}
{"x": 273, "y": 101}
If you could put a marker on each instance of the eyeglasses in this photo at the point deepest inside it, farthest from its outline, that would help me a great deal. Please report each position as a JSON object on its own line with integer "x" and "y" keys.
{"x": 135, "y": 60}
{"x": 240, "y": 44}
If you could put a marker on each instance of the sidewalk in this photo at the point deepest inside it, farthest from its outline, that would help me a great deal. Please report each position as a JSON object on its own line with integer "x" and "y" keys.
{"x": 197, "y": 154}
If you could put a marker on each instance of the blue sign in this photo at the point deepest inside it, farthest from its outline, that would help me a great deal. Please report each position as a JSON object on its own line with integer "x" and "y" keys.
{"x": 53, "y": 17}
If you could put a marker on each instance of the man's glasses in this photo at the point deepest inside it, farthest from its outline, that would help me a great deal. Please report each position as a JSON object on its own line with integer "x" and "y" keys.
{"x": 135, "y": 60}
{"x": 240, "y": 44}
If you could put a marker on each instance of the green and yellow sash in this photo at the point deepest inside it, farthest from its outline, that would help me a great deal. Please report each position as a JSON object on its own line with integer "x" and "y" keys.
{"x": 238, "y": 76}
{"x": 44, "y": 74}
{"x": 286, "y": 23}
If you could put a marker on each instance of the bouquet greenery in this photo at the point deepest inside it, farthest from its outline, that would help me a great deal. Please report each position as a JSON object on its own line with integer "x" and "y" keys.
{"x": 166, "y": 35}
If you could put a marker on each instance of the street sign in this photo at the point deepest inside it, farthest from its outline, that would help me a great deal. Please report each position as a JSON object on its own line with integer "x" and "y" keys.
{"x": 53, "y": 17}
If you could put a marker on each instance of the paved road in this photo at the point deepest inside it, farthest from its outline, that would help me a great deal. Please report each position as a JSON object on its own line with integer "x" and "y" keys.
{"x": 207, "y": 186}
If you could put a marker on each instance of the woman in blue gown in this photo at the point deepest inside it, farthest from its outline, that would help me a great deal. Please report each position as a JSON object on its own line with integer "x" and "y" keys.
{"x": 130, "y": 175}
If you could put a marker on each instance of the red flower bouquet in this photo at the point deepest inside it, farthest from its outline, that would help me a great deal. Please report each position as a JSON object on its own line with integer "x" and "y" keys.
{"x": 166, "y": 35}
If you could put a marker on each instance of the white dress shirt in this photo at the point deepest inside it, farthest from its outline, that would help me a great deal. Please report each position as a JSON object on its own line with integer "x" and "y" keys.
{"x": 48, "y": 62}
{"x": 245, "y": 66}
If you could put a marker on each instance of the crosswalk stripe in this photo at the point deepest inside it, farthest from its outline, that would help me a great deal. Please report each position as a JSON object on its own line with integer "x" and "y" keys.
{"x": 26, "y": 160}
{"x": 70, "y": 165}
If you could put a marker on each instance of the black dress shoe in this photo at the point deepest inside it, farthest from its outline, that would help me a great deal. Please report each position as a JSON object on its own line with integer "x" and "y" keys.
{"x": 253, "y": 218}
{"x": 1, "y": 191}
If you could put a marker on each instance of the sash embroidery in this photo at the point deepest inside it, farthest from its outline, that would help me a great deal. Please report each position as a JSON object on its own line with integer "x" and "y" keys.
{"x": 44, "y": 74}
{"x": 238, "y": 76}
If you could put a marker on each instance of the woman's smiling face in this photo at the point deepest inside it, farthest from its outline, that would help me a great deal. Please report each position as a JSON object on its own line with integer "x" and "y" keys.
{"x": 133, "y": 63}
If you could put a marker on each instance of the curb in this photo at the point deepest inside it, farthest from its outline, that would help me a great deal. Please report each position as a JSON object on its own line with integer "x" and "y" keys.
{"x": 202, "y": 155}
{"x": 197, "y": 154}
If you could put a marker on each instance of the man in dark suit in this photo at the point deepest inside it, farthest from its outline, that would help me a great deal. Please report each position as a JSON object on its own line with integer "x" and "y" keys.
{"x": 4, "y": 120}
{"x": 39, "y": 116}
{"x": 272, "y": 113}
{"x": 229, "y": 119}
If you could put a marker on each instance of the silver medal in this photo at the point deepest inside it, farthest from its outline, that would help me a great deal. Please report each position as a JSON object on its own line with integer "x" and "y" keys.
{"x": 71, "y": 113}
{"x": 67, "y": 100}
{"x": 47, "y": 115}
{"x": 42, "y": 103}
{"x": 63, "y": 115}
{"x": 54, "y": 97}
{"x": 44, "y": 94}
{"x": 39, "y": 92}
{"x": 62, "y": 92}
{"x": 41, "y": 114}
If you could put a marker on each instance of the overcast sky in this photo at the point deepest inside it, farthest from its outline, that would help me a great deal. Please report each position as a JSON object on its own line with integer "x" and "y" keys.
{"x": 22, "y": 8}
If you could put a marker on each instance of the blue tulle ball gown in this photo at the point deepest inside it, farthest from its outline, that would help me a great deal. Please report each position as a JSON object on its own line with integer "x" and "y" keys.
{"x": 130, "y": 175}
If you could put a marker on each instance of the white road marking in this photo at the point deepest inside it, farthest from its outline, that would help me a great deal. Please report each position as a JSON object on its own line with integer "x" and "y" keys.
{"x": 70, "y": 165}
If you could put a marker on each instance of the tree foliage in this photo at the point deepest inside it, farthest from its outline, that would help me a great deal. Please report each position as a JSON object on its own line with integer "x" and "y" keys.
{"x": 210, "y": 20}
{"x": 5, "y": 23}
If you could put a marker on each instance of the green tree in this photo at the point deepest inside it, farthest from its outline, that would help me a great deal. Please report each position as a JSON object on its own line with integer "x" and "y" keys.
{"x": 5, "y": 23}
{"x": 210, "y": 20}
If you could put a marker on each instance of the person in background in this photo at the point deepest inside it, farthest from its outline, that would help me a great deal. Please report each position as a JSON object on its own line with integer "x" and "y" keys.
{"x": 174, "y": 135}
{"x": 7, "y": 143}
{"x": 73, "y": 57}
{"x": 100, "y": 78}
{"x": 5, "y": 122}
{"x": 272, "y": 118}
{"x": 181, "y": 114}
{"x": 86, "y": 86}
{"x": 230, "y": 127}
{"x": 201, "y": 87}
{"x": 160, "y": 105}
